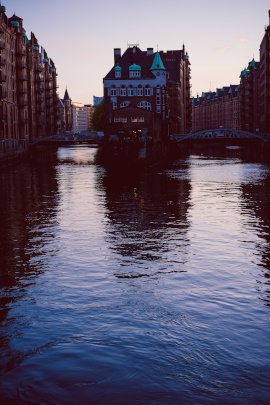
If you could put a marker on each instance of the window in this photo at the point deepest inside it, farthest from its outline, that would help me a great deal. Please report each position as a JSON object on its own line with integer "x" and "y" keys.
{"x": 139, "y": 91}
{"x": 147, "y": 91}
{"x": 135, "y": 73}
{"x": 124, "y": 104}
{"x": 158, "y": 99}
{"x": 113, "y": 91}
{"x": 118, "y": 74}
{"x": 116, "y": 119}
{"x": 124, "y": 119}
{"x": 145, "y": 105}
{"x": 135, "y": 119}
{"x": 122, "y": 91}
{"x": 130, "y": 91}
{"x": 114, "y": 106}
{"x": 141, "y": 119}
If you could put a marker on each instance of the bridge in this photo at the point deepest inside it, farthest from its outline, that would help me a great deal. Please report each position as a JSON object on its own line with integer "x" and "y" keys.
{"x": 220, "y": 134}
{"x": 90, "y": 138}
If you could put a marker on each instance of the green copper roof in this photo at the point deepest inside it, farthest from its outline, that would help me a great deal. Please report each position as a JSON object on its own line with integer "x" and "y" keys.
{"x": 208, "y": 97}
{"x": 2, "y": 9}
{"x": 35, "y": 48}
{"x": 117, "y": 68}
{"x": 15, "y": 23}
{"x": 198, "y": 98}
{"x": 217, "y": 93}
{"x": 236, "y": 89}
{"x": 230, "y": 91}
{"x": 53, "y": 70}
{"x": 252, "y": 63}
{"x": 203, "y": 94}
{"x": 45, "y": 60}
{"x": 135, "y": 67}
{"x": 157, "y": 63}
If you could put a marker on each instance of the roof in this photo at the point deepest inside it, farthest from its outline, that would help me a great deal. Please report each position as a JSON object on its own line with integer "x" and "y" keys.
{"x": 157, "y": 63}
{"x": 134, "y": 67}
{"x": 66, "y": 96}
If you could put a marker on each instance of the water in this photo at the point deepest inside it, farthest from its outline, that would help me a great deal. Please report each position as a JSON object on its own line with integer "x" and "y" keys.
{"x": 151, "y": 287}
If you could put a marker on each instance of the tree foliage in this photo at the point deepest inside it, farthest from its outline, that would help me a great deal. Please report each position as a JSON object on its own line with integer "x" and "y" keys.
{"x": 98, "y": 117}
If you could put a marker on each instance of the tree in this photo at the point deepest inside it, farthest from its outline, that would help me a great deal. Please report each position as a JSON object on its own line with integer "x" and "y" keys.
{"x": 98, "y": 117}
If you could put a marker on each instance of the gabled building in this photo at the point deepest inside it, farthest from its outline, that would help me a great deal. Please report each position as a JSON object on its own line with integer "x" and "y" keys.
{"x": 134, "y": 94}
{"x": 264, "y": 82}
{"x": 147, "y": 93}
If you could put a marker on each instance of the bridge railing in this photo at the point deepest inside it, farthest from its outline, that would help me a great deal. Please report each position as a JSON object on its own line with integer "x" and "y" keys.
{"x": 220, "y": 133}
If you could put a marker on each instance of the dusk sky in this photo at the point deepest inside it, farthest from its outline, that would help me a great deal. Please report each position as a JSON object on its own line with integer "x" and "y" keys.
{"x": 220, "y": 37}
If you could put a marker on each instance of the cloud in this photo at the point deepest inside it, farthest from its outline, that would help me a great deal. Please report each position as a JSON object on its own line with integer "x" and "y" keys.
{"x": 243, "y": 39}
{"x": 222, "y": 49}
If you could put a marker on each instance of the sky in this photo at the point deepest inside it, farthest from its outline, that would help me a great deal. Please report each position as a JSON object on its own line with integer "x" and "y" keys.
{"x": 221, "y": 37}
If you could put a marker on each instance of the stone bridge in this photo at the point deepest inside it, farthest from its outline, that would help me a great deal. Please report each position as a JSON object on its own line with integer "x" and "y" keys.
{"x": 220, "y": 134}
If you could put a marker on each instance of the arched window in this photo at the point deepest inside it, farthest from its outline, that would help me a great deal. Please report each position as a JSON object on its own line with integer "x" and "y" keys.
{"x": 147, "y": 91}
{"x": 144, "y": 105}
{"x": 113, "y": 90}
{"x": 139, "y": 90}
{"x": 130, "y": 91}
{"x": 122, "y": 91}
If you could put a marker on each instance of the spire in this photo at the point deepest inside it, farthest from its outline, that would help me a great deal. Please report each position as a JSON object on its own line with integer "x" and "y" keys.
{"x": 157, "y": 63}
{"x": 66, "y": 96}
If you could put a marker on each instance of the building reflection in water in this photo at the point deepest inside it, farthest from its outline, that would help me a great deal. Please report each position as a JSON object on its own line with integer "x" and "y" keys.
{"x": 256, "y": 213}
{"x": 28, "y": 206}
{"x": 147, "y": 223}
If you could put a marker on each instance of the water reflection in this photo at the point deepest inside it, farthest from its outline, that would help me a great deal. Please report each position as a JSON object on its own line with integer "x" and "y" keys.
{"x": 147, "y": 222}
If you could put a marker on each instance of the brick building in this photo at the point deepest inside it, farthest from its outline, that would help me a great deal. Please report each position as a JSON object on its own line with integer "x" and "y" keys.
{"x": 28, "y": 88}
{"x": 264, "y": 82}
{"x": 144, "y": 92}
{"x": 245, "y": 106}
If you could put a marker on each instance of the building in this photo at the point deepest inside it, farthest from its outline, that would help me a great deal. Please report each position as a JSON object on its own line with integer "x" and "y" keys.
{"x": 68, "y": 112}
{"x": 90, "y": 111}
{"x": 264, "y": 82}
{"x": 80, "y": 117}
{"x": 28, "y": 88}
{"x": 146, "y": 94}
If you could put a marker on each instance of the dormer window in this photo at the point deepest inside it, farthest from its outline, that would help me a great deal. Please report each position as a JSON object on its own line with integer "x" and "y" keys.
{"x": 117, "y": 71}
{"x": 135, "y": 71}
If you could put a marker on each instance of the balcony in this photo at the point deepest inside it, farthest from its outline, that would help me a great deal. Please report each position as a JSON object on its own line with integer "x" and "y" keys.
{"x": 39, "y": 68}
{"x": 3, "y": 77}
{"x": 2, "y": 61}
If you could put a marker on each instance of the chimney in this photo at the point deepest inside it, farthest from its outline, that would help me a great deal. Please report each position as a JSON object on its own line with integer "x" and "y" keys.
{"x": 117, "y": 55}
{"x": 150, "y": 51}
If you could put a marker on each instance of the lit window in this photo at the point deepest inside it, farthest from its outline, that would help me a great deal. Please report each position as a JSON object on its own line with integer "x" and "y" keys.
{"x": 122, "y": 91}
{"x": 116, "y": 119}
{"x": 135, "y": 119}
{"x": 124, "y": 119}
{"x": 141, "y": 119}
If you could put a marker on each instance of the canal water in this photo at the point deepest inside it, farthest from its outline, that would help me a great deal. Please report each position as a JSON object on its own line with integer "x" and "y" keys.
{"x": 151, "y": 287}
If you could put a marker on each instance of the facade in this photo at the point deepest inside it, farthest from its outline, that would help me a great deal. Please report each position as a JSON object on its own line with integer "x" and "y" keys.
{"x": 28, "y": 88}
{"x": 90, "y": 111}
{"x": 146, "y": 94}
{"x": 80, "y": 121}
{"x": 245, "y": 106}
{"x": 68, "y": 112}
{"x": 264, "y": 82}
